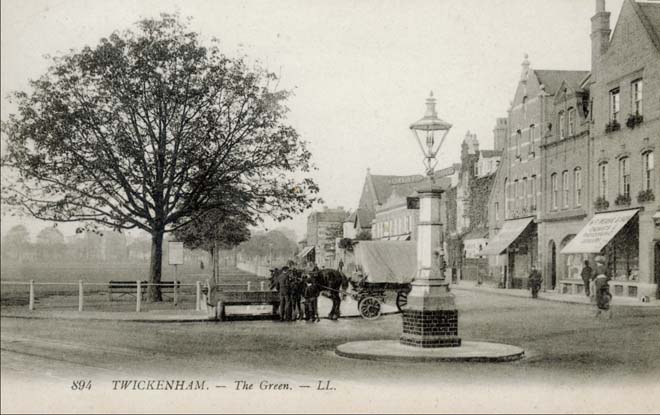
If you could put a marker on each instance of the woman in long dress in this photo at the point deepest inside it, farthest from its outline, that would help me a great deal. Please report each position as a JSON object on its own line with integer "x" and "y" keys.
{"x": 603, "y": 295}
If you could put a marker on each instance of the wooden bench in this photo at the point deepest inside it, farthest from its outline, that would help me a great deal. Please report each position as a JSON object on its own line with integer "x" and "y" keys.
{"x": 130, "y": 288}
{"x": 226, "y": 298}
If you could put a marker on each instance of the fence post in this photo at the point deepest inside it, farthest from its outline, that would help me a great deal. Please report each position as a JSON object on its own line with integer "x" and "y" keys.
{"x": 176, "y": 292}
{"x": 198, "y": 296}
{"x": 138, "y": 297}
{"x": 31, "y": 306}
{"x": 80, "y": 295}
{"x": 262, "y": 285}
{"x": 249, "y": 285}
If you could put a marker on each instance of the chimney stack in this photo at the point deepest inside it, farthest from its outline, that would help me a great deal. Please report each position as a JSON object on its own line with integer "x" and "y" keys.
{"x": 600, "y": 35}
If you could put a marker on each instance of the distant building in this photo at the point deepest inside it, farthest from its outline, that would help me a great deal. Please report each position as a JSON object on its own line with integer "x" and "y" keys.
{"x": 323, "y": 228}
{"x": 467, "y": 209}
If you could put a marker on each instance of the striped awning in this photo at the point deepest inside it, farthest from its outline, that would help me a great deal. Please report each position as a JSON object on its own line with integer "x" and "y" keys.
{"x": 510, "y": 231}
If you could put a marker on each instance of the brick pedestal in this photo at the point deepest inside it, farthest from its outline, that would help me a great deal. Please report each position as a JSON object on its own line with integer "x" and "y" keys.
{"x": 435, "y": 328}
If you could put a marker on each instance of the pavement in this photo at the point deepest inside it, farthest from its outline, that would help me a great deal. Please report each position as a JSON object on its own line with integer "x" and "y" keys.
{"x": 552, "y": 296}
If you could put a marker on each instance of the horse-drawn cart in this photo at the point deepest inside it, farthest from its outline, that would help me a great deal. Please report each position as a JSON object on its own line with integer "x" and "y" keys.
{"x": 383, "y": 271}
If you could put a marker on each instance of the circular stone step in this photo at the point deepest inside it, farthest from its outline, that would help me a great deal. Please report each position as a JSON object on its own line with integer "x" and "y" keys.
{"x": 392, "y": 350}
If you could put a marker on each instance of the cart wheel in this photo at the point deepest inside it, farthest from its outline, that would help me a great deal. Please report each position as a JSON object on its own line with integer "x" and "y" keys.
{"x": 401, "y": 300}
{"x": 369, "y": 308}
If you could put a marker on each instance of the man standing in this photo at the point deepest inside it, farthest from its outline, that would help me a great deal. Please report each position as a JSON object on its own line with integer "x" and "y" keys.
{"x": 284, "y": 289}
{"x": 535, "y": 282}
{"x": 587, "y": 275}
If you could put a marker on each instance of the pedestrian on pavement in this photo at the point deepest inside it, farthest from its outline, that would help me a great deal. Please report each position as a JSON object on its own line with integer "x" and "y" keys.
{"x": 603, "y": 295}
{"x": 283, "y": 285}
{"x": 340, "y": 266}
{"x": 535, "y": 282}
{"x": 311, "y": 295}
{"x": 296, "y": 293}
{"x": 587, "y": 276}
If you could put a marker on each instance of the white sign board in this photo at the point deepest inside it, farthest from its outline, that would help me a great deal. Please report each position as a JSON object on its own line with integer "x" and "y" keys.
{"x": 175, "y": 253}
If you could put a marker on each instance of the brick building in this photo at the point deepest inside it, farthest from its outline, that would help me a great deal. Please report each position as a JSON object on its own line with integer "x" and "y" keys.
{"x": 517, "y": 193}
{"x": 565, "y": 172}
{"x": 578, "y": 176}
{"x": 625, "y": 135}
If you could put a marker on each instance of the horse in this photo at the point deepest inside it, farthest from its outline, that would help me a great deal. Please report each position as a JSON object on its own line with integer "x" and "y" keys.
{"x": 331, "y": 280}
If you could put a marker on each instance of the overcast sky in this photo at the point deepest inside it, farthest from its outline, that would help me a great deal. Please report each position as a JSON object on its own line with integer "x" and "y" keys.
{"x": 361, "y": 70}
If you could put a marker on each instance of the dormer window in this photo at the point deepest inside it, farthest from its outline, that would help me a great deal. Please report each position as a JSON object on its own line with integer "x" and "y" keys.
{"x": 562, "y": 126}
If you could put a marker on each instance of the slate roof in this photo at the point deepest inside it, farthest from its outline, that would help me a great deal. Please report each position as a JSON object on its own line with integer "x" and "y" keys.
{"x": 384, "y": 186}
{"x": 553, "y": 79}
{"x": 365, "y": 217}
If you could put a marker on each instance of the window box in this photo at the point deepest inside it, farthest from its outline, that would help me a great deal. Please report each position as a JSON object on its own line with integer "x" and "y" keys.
{"x": 645, "y": 196}
{"x": 601, "y": 204}
{"x": 634, "y": 120}
{"x": 612, "y": 126}
{"x": 622, "y": 200}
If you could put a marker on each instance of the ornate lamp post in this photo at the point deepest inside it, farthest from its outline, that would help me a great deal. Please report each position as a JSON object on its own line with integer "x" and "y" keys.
{"x": 430, "y": 318}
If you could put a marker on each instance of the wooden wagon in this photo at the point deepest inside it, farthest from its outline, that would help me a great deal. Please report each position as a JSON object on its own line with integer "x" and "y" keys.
{"x": 383, "y": 272}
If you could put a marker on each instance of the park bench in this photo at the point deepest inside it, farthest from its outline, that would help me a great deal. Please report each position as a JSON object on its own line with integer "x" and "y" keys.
{"x": 227, "y": 298}
{"x": 130, "y": 288}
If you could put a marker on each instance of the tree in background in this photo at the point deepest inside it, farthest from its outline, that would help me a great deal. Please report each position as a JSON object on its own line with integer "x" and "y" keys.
{"x": 16, "y": 243}
{"x": 272, "y": 244}
{"x": 50, "y": 244}
{"x": 214, "y": 231}
{"x": 150, "y": 129}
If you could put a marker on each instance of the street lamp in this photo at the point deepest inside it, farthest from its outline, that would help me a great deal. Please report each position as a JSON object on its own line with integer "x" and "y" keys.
{"x": 433, "y": 131}
{"x": 430, "y": 318}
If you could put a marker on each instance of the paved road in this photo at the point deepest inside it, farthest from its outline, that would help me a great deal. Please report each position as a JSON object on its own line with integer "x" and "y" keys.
{"x": 565, "y": 347}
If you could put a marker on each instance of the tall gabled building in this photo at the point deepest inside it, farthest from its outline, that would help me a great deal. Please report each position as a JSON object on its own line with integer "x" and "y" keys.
{"x": 518, "y": 190}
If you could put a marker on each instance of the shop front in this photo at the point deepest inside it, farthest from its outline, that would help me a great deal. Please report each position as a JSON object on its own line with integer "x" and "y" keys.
{"x": 615, "y": 235}
{"x": 517, "y": 242}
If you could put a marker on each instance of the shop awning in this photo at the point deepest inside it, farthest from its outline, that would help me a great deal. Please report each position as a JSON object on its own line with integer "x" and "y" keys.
{"x": 598, "y": 232}
{"x": 505, "y": 237}
{"x": 306, "y": 251}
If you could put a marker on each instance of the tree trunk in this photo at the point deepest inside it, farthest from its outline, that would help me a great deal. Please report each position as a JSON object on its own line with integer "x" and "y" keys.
{"x": 156, "y": 266}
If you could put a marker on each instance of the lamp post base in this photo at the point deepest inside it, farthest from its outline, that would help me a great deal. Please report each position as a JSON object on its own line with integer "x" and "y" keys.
{"x": 430, "y": 318}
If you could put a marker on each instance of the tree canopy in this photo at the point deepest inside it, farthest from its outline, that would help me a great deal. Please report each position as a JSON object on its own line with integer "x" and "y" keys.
{"x": 149, "y": 129}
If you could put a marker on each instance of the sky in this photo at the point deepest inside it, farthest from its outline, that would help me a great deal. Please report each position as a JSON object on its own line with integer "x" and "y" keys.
{"x": 360, "y": 70}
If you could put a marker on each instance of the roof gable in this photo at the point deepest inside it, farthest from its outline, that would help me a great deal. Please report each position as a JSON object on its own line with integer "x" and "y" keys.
{"x": 553, "y": 79}
{"x": 646, "y": 14}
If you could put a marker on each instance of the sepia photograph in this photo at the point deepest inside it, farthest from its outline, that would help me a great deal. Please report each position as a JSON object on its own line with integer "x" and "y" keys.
{"x": 351, "y": 206}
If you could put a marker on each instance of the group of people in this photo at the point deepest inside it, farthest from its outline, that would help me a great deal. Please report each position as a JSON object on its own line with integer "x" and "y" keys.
{"x": 594, "y": 280}
{"x": 298, "y": 294}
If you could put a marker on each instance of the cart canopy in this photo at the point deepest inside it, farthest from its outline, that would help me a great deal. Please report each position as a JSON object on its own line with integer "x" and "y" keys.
{"x": 387, "y": 261}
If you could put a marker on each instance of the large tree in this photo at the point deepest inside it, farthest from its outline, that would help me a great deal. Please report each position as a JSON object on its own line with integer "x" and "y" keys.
{"x": 149, "y": 129}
